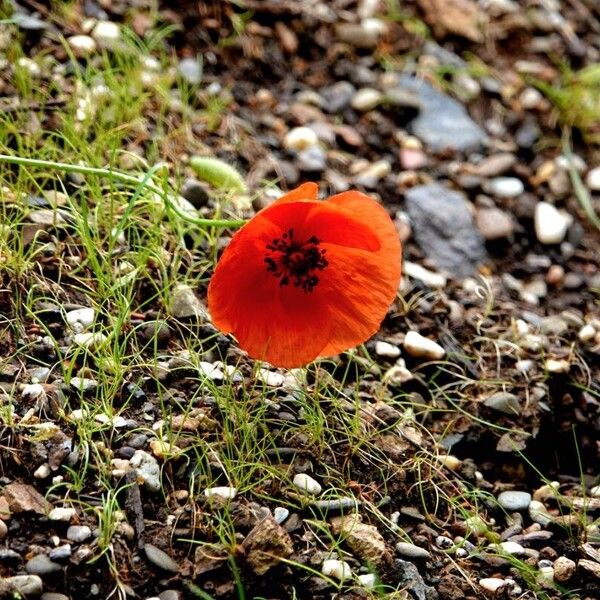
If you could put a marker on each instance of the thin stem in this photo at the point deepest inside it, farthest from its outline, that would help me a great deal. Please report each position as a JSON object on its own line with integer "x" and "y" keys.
{"x": 125, "y": 177}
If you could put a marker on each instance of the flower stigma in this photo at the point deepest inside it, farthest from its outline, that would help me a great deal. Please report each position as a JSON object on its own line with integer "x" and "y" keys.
{"x": 296, "y": 262}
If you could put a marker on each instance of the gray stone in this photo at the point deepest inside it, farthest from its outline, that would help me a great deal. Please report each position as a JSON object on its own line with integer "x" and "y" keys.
{"x": 160, "y": 559}
{"x": 504, "y": 402}
{"x": 41, "y": 565}
{"x": 442, "y": 123}
{"x": 312, "y": 159}
{"x": 54, "y": 596}
{"x": 443, "y": 227}
{"x": 512, "y": 500}
{"x": 408, "y": 576}
{"x": 184, "y": 303}
{"x": 147, "y": 467}
{"x": 170, "y": 595}
{"x": 24, "y": 585}
{"x": 337, "y": 97}
{"x": 78, "y": 533}
{"x": 195, "y": 192}
{"x": 60, "y": 552}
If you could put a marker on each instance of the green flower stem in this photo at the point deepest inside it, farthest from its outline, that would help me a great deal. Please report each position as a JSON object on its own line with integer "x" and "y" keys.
{"x": 125, "y": 177}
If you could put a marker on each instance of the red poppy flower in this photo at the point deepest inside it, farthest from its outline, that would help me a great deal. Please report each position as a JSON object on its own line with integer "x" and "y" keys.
{"x": 306, "y": 278}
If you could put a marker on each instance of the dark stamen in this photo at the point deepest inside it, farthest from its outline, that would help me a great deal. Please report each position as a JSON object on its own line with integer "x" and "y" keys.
{"x": 295, "y": 261}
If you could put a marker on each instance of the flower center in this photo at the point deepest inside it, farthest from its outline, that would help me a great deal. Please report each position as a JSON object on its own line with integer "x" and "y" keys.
{"x": 294, "y": 261}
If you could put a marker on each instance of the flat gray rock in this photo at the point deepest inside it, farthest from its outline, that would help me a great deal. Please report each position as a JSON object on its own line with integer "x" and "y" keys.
{"x": 444, "y": 228}
{"x": 443, "y": 123}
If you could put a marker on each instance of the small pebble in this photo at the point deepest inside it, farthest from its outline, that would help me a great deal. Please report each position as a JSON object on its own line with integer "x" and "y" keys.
{"x": 300, "y": 138}
{"x": 80, "y": 318}
{"x": 368, "y": 580}
{"x": 62, "y": 514}
{"x": 307, "y": 484}
{"x": 3, "y": 529}
{"x": 550, "y": 224}
{"x": 586, "y": 333}
{"x": 280, "y": 514}
{"x": 107, "y": 34}
{"x": 419, "y": 346}
{"x": 492, "y": 584}
{"x": 387, "y": 350}
{"x": 271, "y": 378}
{"x": 429, "y": 278}
{"x": 512, "y": 548}
{"x": 512, "y": 500}
{"x": 191, "y": 70}
{"x": 339, "y": 569}
{"x": 558, "y": 365}
{"x": 538, "y": 513}
{"x": 366, "y": 99}
{"x": 42, "y": 472}
{"x": 161, "y": 559}
{"x": 41, "y": 565}
{"x": 60, "y": 552}
{"x": 504, "y": 187}
{"x": 370, "y": 177}
{"x": 411, "y": 551}
{"x": 222, "y": 491}
{"x": 25, "y": 585}
{"x": 78, "y": 533}
{"x": 564, "y": 569}
{"x": 82, "y": 45}
{"x": 592, "y": 179}
{"x": 494, "y": 223}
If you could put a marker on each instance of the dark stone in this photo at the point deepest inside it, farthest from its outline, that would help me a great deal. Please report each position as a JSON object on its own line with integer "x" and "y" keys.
{"x": 195, "y": 192}
{"x": 408, "y": 576}
{"x": 443, "y": 123}
{"x": 444, "y": 228}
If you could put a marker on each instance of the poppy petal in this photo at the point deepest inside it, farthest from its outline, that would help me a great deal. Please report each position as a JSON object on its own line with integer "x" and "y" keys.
{"x": 306, "y": 191}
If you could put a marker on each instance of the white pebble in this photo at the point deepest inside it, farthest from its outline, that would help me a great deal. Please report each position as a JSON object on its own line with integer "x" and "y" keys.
{"x": 82, "y": 45}
{"x": 280, "y": 514}
{"x": 557, "y": 366}
{"x": 62, "y": 514}
{"x": 512, "y": 548}
{"x": 307, "y": 484}
{"x": 366, "y": 99}
{"x": 80, "y": 318}
{"x": 429, "y": 278}
{"x": 492, "y": 584}
{"x": 595, "y": 491}
{"x": 33, "y": 392}
{"x": 550, "y": 224}
{"x": 538, "y": 513}
{"x": 592, "y": 179}
{"x": 223, "y": 491}
{"x": 271, "y": 378}
{"x": 91, "y": 341}
{"x": 339, "y": 569}
{"x": 368, "y": 580}
{"x": 586, "y": 333}
{"x": 42, "y": 472}
{"x": 417, "y": 345}
{"x": 300, "y": 138}
{"x": 387, "y": 350}
{"x": 30, "y": 65}
{"x": 107, "y": 34}
{"x": 505, "y": 187}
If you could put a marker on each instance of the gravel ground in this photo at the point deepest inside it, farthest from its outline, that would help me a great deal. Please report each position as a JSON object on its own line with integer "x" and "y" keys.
{"x": 455, "y": 455}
